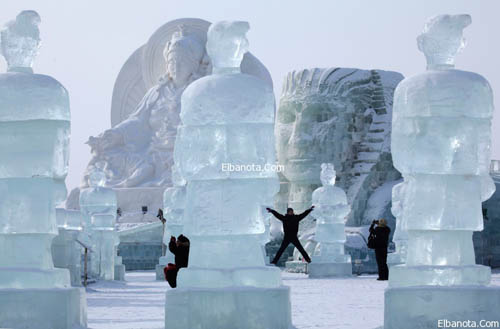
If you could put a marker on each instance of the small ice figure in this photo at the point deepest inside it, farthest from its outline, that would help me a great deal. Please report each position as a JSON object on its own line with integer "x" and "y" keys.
{"x": 441, "y": 141}
{"x": 400, "y": 237}
{"x": 98, "y": 205}
{"x": 329, "y": 258}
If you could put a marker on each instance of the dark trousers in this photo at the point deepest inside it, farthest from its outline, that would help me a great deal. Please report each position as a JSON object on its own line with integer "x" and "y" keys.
{"x": 381, "y": 257}
{"x": 295, "y": 241}
{"x": 171, "y": 274}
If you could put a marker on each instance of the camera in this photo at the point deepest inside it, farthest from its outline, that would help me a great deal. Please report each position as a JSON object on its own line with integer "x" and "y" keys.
{"x": 375, "y": 222}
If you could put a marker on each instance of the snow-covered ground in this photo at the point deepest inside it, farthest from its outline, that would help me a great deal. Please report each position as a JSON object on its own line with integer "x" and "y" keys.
{"x": 138, "y": 303}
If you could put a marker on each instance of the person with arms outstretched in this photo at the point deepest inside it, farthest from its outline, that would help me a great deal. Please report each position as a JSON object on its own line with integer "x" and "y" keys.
{"x": 291, "y": 229}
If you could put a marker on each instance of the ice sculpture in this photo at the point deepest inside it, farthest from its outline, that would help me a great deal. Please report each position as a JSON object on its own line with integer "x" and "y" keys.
{"x": 98, "y": 207}
{"x": 400, "y": 237}
{"x": 332, "y": 209}
{"x": 34, "y": 144}
{"x": 138, "y": 149}
{"x": 174, "y": 200}
{"x": 441, "y": 144}
{"x": 119, "y": 266}
{"x": 227, "y": 118}
{"x": 66, "y": 251}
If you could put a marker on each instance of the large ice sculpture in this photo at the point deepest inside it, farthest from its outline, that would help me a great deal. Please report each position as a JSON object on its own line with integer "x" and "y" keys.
{"x": 174, "y": 200}
{"x": 400, "y": 237}
{"x": 227, "y": 118}
{"x": 34, "y": 144}
{"x": 98, "y": 207}
{"x": 441, "y": 144}
{"x": 332, "y": 209}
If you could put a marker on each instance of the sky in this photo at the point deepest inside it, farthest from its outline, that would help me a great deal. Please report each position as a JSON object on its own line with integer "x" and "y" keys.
{"x": 85, "y": 43}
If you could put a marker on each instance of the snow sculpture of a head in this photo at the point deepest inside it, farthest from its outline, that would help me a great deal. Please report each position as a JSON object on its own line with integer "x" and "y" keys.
{"x": 183, "y": 54}
{"x": 20, "y": 41}
{"x": 227, "y": 43}
{"x": 328, "y": 174}
{"x": 442, "y": 39}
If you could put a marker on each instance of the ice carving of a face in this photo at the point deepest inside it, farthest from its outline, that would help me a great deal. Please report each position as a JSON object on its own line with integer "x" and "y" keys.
{"x": 20, "y": 40}
{"x": 442, "y": 118}
{"x": 305, "y": 133}
{"x": 442, "y": 39}
{"x": 183, "y": 55}
{"x": 227, "y": 43}
{"x": 97, "y": 178}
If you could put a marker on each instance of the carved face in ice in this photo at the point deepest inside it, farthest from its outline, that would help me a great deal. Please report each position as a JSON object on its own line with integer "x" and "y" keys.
{"x": 327, "y": 175}
{"x": 183, "y": 54}
{"x": 305, "y": 138}
{"x": 97, "y": 178}
{"x": 20, "y": 40}
{"x": 227, "y": 43}
{"x": 442, "y": 39}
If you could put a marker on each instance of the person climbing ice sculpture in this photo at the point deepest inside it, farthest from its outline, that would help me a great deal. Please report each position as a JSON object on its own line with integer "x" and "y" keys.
{"x": 291, "y": 229}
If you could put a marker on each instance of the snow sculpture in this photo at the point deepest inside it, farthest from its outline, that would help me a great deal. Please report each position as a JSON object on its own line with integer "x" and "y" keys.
{"x": 34, "y": 144}
{"x": 66, "y": 252}
{"x": 174, "y": 200}
{"x": 138, "y": 150}
{"x": 331, "y": 205}
{"x": 227, "y": 118}
{"x": 441, "y": 144}
{"x": 400, "y": 237}
{"x": 98, "y": 207}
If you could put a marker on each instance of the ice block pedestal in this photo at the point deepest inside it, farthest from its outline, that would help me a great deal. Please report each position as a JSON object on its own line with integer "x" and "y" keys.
{"x": 441, "y": 144}
{"x": 329, "y": 258}
{"x": 227, "y": 119}
{"x": 34, "y": 145}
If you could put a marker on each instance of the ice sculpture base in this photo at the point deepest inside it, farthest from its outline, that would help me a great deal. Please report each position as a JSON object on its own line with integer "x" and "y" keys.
{"x": 200, "y": 277}
{"x": 324, "y": 270}
{"x": 120, "y": 272}
{"x": 296, "y": 266}
{"x": 33, "y": 278}
{"x": 424, "y": 306}
{"x": 229, "y": 308}
{"x": 43, "y": 308}
{"x": 405, "y": 276}
{"x": 395, "y": 259}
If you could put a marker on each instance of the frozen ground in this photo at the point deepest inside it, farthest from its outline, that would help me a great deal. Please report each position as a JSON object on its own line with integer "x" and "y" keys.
{"x": 138, "y": 303}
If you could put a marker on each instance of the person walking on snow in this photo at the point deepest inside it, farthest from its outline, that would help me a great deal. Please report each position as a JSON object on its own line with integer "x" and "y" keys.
{"x": 291, "y": 229}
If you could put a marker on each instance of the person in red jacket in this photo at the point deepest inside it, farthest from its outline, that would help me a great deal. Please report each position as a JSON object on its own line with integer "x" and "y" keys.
{"x": 291, "y": 229}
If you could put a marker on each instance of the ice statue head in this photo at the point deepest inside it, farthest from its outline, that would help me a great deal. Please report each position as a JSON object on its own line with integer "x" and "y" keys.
{"x": 328, "y": 174}
{"x": 20, "y": 41}
{"x": 227, "y": 44}
{"x": 184, "y": 54}
{"x": 329, "y": 200}
{"x": 97, "y": 177}
{"x": 442, "y": 39}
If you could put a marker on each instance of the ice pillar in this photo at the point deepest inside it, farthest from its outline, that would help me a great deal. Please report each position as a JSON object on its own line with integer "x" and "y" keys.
{"x": 225, "y": 152}
{"x": 98, "y": 205}
{"x": 34, "y": 148}
{"x": 441, "y": 144}
{"x": 329, "y": 258}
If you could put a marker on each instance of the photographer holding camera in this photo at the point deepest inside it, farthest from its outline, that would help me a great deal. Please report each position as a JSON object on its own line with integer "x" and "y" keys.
{"x": 381, "y": 233}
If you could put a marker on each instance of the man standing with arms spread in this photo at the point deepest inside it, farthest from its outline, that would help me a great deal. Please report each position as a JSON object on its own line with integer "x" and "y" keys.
{"x": 291, "y": 229}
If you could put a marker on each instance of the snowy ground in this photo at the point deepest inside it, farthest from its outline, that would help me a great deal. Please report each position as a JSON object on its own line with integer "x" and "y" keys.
{"x": 138, "y": 303}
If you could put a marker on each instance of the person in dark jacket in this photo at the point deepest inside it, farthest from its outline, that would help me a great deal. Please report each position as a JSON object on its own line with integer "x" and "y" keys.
{"x": 291, "y": 229}
{"x": 180, "y": 248}
{"x": 381, "y": 233}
